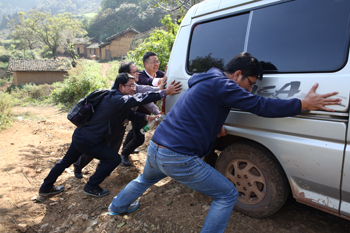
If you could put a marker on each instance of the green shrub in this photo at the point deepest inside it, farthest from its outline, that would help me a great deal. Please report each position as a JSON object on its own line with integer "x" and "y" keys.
{"x": 83, "y": 79}
{"x": 20, "y": 54}
{"x": 4, "y": 65}
{"x": 4, "y": 80}
{"x": 160, "y": 42}
{"x": 31, "y": 93}
{"x": 6, "y": 104}
{"x": 17, "y": 54}
{"x": 47, "y": 53}
{"x": 5, "y": 57}
{"x": 7, "y": 45}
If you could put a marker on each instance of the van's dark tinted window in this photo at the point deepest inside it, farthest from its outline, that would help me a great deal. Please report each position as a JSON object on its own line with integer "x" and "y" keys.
{"x": 294, "y": 36}
{"x": 213, "y": 43}
{"x": 302, "y": 35}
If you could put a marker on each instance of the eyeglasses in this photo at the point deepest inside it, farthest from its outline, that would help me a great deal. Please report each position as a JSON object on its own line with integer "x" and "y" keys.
{"x": 132, "y": 86}
{"x": 134, "y": 72}
{"x": 250, "y": 81}
{"x": 154, "y": 62}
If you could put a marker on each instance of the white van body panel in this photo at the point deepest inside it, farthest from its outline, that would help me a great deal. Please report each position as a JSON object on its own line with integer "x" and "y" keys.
{"x": 312, "y": 148}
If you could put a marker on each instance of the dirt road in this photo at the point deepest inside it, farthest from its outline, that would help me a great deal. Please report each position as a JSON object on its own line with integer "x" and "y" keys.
{"x": 40, "y": 137}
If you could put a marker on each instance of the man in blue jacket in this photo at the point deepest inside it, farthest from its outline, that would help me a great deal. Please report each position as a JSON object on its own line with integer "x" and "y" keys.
{"x": 113, "y": 112}
{"x": 190, "y": 128}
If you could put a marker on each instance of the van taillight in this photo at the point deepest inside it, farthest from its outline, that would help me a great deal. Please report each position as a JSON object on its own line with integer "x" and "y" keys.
{"x": 163, "y": 105}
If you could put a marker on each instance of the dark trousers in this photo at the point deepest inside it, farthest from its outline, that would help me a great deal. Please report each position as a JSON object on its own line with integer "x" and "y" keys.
{"x": 80, "y": 145}
{"x": 114, "y": 141}
{"x": 134, "y": 138}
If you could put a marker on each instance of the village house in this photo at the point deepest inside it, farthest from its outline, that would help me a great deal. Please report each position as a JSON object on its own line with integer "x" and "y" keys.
{"x": 38, "y": 71}
{"x": 85, "y": 47}
{"x": 117, "y": 45}
{"x": 93, "y": 51}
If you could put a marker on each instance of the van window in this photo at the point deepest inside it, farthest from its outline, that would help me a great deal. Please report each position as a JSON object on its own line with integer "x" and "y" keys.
{"x": 301, "y": 36}
{"x": 294, "y": 36}
{"x": 213, "y": 43}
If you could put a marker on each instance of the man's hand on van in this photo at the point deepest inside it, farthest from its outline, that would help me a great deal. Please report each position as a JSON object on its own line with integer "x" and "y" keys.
{"x": 313, "y": 101}
{"x": 174, "y": 88}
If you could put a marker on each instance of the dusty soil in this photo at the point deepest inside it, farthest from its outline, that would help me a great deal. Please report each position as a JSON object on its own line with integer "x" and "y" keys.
{"x": 39, "y": 137}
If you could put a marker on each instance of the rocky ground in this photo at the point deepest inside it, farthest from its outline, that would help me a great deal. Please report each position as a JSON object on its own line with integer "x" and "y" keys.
{"x": 40, "y": 137}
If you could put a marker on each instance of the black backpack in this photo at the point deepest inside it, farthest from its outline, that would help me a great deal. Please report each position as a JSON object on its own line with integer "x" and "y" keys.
{"x": 82, "y": 112}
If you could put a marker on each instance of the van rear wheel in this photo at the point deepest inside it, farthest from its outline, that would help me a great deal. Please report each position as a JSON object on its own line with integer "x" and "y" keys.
{"x": 258, "y": 177}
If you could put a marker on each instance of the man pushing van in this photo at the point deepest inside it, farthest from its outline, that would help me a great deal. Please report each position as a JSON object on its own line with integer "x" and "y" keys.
{"x": 188, "y": 131}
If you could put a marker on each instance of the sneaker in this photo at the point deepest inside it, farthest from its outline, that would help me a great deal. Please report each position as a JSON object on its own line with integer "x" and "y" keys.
{"x": 125, "y": 160}
{"x": 131, "y": 208}
{"x": 77, "y": 173}
{"x": 136, "y": 151}
{"x": 52, "y": 191}
{"x": 96, "y": 191}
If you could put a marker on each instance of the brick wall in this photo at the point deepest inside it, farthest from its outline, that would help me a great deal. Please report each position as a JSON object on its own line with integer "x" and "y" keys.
{"x": 38, "y": 77}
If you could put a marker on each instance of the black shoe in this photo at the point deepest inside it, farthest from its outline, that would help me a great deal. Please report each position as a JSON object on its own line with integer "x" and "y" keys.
{"x": 77, "y": 173}
{"x": 125, "y": 160}
{"x": 136, "y": 151}
{"x": 97, "y": 191}
{"x": 52, "y": 191}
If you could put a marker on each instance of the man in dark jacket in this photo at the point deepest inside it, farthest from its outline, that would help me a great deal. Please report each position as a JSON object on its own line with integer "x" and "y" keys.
{"x": 190, "y": 128}
{"x": 111, "y": 113}
{"x": 151, "y": 75}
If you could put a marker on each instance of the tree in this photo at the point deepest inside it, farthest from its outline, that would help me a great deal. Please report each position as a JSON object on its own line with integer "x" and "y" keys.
{"x": 71, "y": 52}
{"x": 51, "y": 31}
{"x": 113, "y": 4}
{"x": 25, "y": 37}
{"x": 112, "y": 21}
{"x": 160, "y": 42}
{"x": 175, "y": 5}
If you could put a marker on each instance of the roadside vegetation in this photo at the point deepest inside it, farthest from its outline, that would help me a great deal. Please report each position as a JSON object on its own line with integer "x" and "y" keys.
{"x": 6, "y": 104}
{"x": 160, "y": 42}
{"x": 84, "y": 78}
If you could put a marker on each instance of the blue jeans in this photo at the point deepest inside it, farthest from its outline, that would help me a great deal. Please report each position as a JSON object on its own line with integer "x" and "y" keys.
{"x": 190, "y": 171}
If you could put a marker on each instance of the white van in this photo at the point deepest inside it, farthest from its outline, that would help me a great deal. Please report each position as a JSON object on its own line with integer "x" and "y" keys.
{"x": 300, "y": 43}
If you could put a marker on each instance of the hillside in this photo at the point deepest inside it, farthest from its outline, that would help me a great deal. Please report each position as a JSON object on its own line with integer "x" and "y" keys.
{"x": 9, "y": 8}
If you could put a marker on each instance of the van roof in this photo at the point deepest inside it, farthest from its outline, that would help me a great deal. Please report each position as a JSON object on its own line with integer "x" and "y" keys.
{"x": 211, "y": 6}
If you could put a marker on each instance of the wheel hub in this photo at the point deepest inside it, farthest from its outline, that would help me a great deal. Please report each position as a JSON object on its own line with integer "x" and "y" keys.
{"x": 248, "y": 180}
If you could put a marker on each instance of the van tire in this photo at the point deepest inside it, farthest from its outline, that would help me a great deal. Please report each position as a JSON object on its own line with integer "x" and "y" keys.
{"x": 259, "y": 178}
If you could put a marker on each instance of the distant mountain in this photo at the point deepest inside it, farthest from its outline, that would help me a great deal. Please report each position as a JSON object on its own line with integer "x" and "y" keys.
{"x": 9, "y": 8}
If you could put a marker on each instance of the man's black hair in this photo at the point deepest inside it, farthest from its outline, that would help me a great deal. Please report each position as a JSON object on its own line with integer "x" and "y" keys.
{"x": 247, "y": 64}
{"x": 147, "y": 55}
{"x": 125, "y": 67}
{"x": 122, "y": 78}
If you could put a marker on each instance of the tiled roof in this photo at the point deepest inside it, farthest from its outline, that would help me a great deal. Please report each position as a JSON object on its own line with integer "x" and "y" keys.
{"x": 93, "y": 46}
{"x": 122, "y": 33}
{"x": 81, "y": 41}
{"x": 38, "y": 65}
